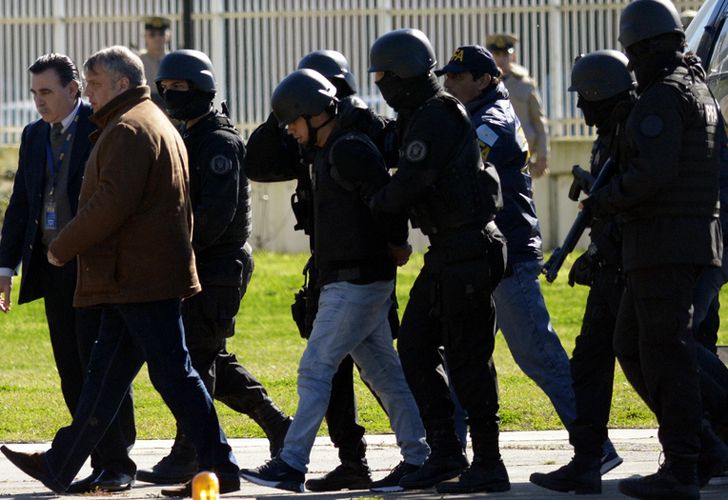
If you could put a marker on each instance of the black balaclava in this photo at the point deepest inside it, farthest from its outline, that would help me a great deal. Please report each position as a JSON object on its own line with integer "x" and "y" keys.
{"x": 603, "y": 114}
{"x": 654, "y": 57}
{"x": 407, "y": 93}
{"x": 187, "y": 104}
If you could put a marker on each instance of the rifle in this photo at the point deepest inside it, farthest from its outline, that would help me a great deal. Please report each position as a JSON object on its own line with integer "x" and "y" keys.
{"x": 553, "y": 265}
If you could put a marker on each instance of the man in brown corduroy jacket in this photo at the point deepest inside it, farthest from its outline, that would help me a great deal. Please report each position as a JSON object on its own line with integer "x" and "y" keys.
{"x": 135, "y": 261}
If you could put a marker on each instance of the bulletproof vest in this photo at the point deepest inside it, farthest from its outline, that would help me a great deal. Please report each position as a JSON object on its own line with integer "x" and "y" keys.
{"x": 605, "y": 233}
{"x": 695, "y": 191}
{"x": 346, "y": 239}
{"x": 466, "y": 194}
{"x": 238, "y": 231}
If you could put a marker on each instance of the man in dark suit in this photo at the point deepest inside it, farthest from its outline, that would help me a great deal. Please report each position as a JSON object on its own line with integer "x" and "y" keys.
{"x": 53, "y": 152}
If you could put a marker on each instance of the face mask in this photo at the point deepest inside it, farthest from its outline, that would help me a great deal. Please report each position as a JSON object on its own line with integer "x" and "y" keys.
{"x": 392, "y": 88}
{"x": 186, "y": 104}
{"x": 588, "y": 110}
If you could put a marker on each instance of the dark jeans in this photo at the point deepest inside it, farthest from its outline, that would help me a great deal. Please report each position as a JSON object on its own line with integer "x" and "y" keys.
{"x": 131, "y": 334}
{"x": 654, "y": 344}
{"x": 592, "y": 362}
{"x": 452, "y": 306}
{"x": 73, "y": 333}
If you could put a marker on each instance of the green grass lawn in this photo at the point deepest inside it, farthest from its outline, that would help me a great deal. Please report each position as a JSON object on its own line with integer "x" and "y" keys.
{"x": 267, "y": 343}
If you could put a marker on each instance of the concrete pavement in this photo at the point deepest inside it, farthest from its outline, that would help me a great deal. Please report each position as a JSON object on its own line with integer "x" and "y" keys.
{"x": 523, "y": 453}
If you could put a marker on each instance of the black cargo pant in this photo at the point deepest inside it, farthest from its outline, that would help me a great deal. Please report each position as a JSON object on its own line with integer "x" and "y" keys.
{"x": 451, "y": 305}
{"x": 592, "y": 362}
{"x": 655, "y": 347}
{"x": 209, "y": 319}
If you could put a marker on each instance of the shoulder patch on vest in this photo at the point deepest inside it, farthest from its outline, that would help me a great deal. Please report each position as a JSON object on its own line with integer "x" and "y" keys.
{"x": 415, "y": 151}
{"x": 652, "y": 126}
{"x": 486, "y": 135}
{"x": 220, "y": 165}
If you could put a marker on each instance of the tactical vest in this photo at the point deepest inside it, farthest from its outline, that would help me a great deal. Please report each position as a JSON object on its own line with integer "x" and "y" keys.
{"x": 348, "y": 245}
{"x": 695, "y": 190}
{"x": 238, "y": 231}
{"x": 466, "y": 194}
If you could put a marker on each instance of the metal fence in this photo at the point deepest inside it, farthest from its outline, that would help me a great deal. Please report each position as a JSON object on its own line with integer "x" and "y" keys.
{"x": 254, "y": 43}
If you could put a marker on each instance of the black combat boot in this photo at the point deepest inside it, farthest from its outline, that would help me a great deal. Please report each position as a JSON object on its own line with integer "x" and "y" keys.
{"x": 347, "y": 476}
{"x": 487, "y": 472}
{"x": 677, "y": 479}
{"x": 480, "y": 476}
{"x": 352, "y": 474}
{"x": 713, "y": 458}
{"x": 446, "y": 460}
{"x": 178, "y": 467}
{"x": 581, "y": 476}
{"x": 274, "y": 423}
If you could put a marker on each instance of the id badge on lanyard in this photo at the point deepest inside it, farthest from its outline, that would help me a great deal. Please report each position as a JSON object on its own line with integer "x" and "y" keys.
{"x": 50, "y": 219}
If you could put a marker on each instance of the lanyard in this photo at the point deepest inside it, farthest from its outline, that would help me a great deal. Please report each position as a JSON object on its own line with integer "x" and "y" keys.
{"x": 55, "y": 165}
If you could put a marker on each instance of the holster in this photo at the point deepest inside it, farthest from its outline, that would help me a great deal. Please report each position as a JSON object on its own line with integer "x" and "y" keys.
{"x": 305, "y": 302}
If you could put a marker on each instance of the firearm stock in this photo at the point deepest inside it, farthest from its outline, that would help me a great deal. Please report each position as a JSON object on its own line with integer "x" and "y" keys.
{"x": 553, "y": 265}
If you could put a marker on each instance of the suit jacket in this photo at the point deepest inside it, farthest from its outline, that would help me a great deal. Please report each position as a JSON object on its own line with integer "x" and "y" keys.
{"x": 20, "y": 236}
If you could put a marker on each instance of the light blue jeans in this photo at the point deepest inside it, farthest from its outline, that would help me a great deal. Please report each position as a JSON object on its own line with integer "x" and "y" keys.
{"x": 352, "y": 319}
{"x": 522, "y": 316}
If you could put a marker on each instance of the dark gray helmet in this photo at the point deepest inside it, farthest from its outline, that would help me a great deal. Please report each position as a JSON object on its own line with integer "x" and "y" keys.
{"x": 645, "y": 19}
{"x": 191, "y": 65}
{"x": 304, "y": 92}
{"x": 331, "y": 64}
{"x": 600, "y": 75}
{"x": 405, "y": 52}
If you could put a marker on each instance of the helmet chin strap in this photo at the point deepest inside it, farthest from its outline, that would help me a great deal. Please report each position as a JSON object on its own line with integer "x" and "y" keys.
{"x": 313, "y": 131}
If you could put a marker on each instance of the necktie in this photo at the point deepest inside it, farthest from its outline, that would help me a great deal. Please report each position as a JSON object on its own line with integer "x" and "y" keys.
{"x": 56, "y": 139}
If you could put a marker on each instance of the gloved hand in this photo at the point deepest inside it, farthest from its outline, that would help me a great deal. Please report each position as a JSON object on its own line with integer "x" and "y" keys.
{"x": 582, "y": 272}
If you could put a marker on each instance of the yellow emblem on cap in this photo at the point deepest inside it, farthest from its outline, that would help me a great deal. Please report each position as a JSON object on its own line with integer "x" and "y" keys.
{"x": 457, "y": 55}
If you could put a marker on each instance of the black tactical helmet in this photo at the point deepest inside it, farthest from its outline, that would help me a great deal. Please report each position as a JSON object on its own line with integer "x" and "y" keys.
{"x": 304, "y": 92}
{"x": 190, "y": 65}
{"x": 331, "y": 64}
{"x": 600, "y": 75}
{"x": 405, "y": 52}
{"x": 644, "y": 19}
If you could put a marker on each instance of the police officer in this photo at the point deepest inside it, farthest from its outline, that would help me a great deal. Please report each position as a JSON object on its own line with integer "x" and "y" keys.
{"x": 275, "y": 156}
{"x": 605, "y": 90}
{"x": 525, "y": 97}
{"x": 220, "y": 197}
{"x": 356, "y": 255}
{"x": 473, "y": 77}
{"x": 443, "y": 186}
{"x": 667, "y": 196}
{"x": 156, "y": 39}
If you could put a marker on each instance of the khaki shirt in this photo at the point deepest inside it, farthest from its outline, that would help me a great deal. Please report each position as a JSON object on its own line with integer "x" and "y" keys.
{"x": 151, "y": 68}
{"x": 529, "y": 109}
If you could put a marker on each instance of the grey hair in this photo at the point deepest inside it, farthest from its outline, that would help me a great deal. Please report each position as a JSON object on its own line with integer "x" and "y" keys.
{"x": 119, "y": 62}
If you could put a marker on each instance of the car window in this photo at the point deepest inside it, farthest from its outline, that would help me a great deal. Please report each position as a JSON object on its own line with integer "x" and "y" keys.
{"x": 696, "y": 28}
{"x": 718, "y": 69}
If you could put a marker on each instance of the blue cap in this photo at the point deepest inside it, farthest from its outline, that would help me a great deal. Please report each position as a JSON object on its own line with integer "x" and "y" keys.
{"x": 471, "y": 58}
